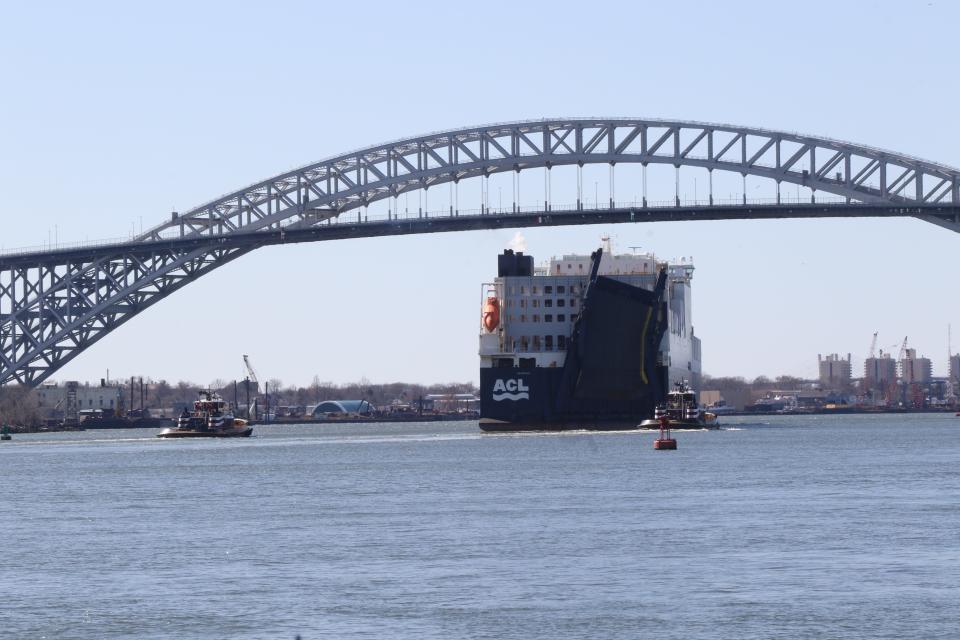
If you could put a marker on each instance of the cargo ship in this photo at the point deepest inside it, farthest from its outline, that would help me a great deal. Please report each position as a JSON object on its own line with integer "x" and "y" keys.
{"x": 584, "y": 342}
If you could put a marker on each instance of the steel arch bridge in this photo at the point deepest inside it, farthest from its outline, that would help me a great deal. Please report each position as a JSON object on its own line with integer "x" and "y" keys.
{"x": 55, "y": 303}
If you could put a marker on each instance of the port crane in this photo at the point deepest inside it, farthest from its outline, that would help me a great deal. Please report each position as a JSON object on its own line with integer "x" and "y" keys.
{"x": 871, "y": 355}
{"x": 251, "y": 377}
{"x": 903, "y": 349}
{"x": 915, "y": 389}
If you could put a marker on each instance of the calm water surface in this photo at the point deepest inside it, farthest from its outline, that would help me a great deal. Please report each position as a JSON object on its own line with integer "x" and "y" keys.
{"x": 787, "y": 527}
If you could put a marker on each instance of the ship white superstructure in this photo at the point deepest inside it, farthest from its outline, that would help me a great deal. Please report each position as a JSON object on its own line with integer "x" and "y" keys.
{"x": 537, "y": 308}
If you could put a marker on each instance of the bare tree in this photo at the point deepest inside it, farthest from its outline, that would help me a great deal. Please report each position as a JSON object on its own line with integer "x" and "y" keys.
{"x": 18, "y": 407}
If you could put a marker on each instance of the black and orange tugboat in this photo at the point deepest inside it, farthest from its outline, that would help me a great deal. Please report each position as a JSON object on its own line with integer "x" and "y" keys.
{"x": 211, "y": 418}
{"x": 681, "y": 411}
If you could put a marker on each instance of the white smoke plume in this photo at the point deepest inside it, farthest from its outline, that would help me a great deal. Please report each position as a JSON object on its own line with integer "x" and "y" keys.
{"x": 518, "y": 243}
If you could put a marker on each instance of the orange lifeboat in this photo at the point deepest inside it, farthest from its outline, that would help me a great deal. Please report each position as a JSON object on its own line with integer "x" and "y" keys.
{"x": 491, "y": 314}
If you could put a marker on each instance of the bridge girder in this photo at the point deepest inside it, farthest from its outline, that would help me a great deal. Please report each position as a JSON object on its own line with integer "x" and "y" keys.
{"x": 55, "y": 304}
{"x": 311, "y": 194}
{"x": 63, "y": 307}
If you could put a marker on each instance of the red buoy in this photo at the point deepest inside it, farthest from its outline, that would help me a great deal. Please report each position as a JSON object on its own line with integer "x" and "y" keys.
{"x": 664, "y": 442}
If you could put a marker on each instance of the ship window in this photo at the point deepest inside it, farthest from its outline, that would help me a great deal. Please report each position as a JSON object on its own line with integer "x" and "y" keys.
{"x": 523, "y": 318}
{"x": 548, "y": 302}
{"x": 511, "y": 290}
{"x": 561, "y": 288}
{"x": 536, "y": 303}
{"x": 533, "y": 290}
{"x": 575, "y": 289}
{"x": 548, "y": 289}
{"x": 536, "y": 343}
{"x": 548, "y": 318}
{"x": 561, "y": 342}
{"x": 573, "y": 302}
{"x": 548, "y": 343}
{"x": 580, "y": 266}
{"x": 561, "y": 302}
{"x": 523, "y": 290}
{"x": 523, "y": 303}
{"x": 536, "y": 318}
{"x": 561, "y": 317}
{"x": 524, "y": 343}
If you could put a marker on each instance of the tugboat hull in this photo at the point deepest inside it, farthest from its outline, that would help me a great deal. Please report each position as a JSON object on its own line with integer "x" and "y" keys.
{"x": 191, "y": 433}
{"x": 652, "y": 423}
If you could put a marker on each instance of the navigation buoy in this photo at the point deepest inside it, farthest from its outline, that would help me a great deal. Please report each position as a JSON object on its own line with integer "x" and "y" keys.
{"x": 664, "y": 442}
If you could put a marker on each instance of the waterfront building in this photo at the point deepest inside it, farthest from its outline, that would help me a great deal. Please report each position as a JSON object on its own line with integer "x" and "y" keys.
{"x": 451, "y": 402}
{"x": 341, "y": 409}
{"x": 879, "y": 373}
{"x": 915, "y": 370}
{"x": 954, "y": 378}
{"x": 834, "y": 371}
{"x": 54, "y": 400}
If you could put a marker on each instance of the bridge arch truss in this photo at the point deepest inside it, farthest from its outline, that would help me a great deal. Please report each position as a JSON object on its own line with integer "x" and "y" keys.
{"x": 56, "y": 303}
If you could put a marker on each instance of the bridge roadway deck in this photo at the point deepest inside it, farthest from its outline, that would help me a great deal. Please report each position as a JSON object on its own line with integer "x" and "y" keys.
{"x": 339, "y": 229}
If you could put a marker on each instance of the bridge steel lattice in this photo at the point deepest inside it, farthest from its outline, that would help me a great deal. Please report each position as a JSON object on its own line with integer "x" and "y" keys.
{"x": 55, "y": 303}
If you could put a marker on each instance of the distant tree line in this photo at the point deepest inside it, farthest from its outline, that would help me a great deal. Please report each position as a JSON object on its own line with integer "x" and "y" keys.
{"x": 19, "y": 405}
{"x": 161, "y": 394}
{"x": 760, "y": 383}
{"x": 377, "y": 394}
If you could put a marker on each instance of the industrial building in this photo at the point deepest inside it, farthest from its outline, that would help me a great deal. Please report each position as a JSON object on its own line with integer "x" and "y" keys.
{"x": 880, "y": 372}
{"x": 55, "y": 401}
{"x": 834, "y": 371}
{"x": 914, "y": 370}
{"x": 341, "y": 409}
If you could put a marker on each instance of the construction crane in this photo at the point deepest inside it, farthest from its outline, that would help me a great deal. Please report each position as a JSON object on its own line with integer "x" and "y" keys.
{"x": 873, "y": 345}
{"x": 903, "y": 349}
{"x": 250, "y": 372}
{"x": 251, "y": 377}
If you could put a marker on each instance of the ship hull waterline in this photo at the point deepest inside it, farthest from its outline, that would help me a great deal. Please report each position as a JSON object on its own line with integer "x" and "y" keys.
{"x": 495, "y": 426}
{"x": 185, "y": 433}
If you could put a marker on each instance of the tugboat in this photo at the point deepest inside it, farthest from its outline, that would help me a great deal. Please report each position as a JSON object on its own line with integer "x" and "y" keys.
{"x": 681, "y": 411}
{"x": 211, "y": 418}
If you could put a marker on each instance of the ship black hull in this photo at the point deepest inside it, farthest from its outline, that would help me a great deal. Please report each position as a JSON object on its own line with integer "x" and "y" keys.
{"x": 541, "y": 404}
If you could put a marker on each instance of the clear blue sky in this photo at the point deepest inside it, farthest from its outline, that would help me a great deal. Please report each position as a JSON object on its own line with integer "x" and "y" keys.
{"x": 112, "y": 114}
